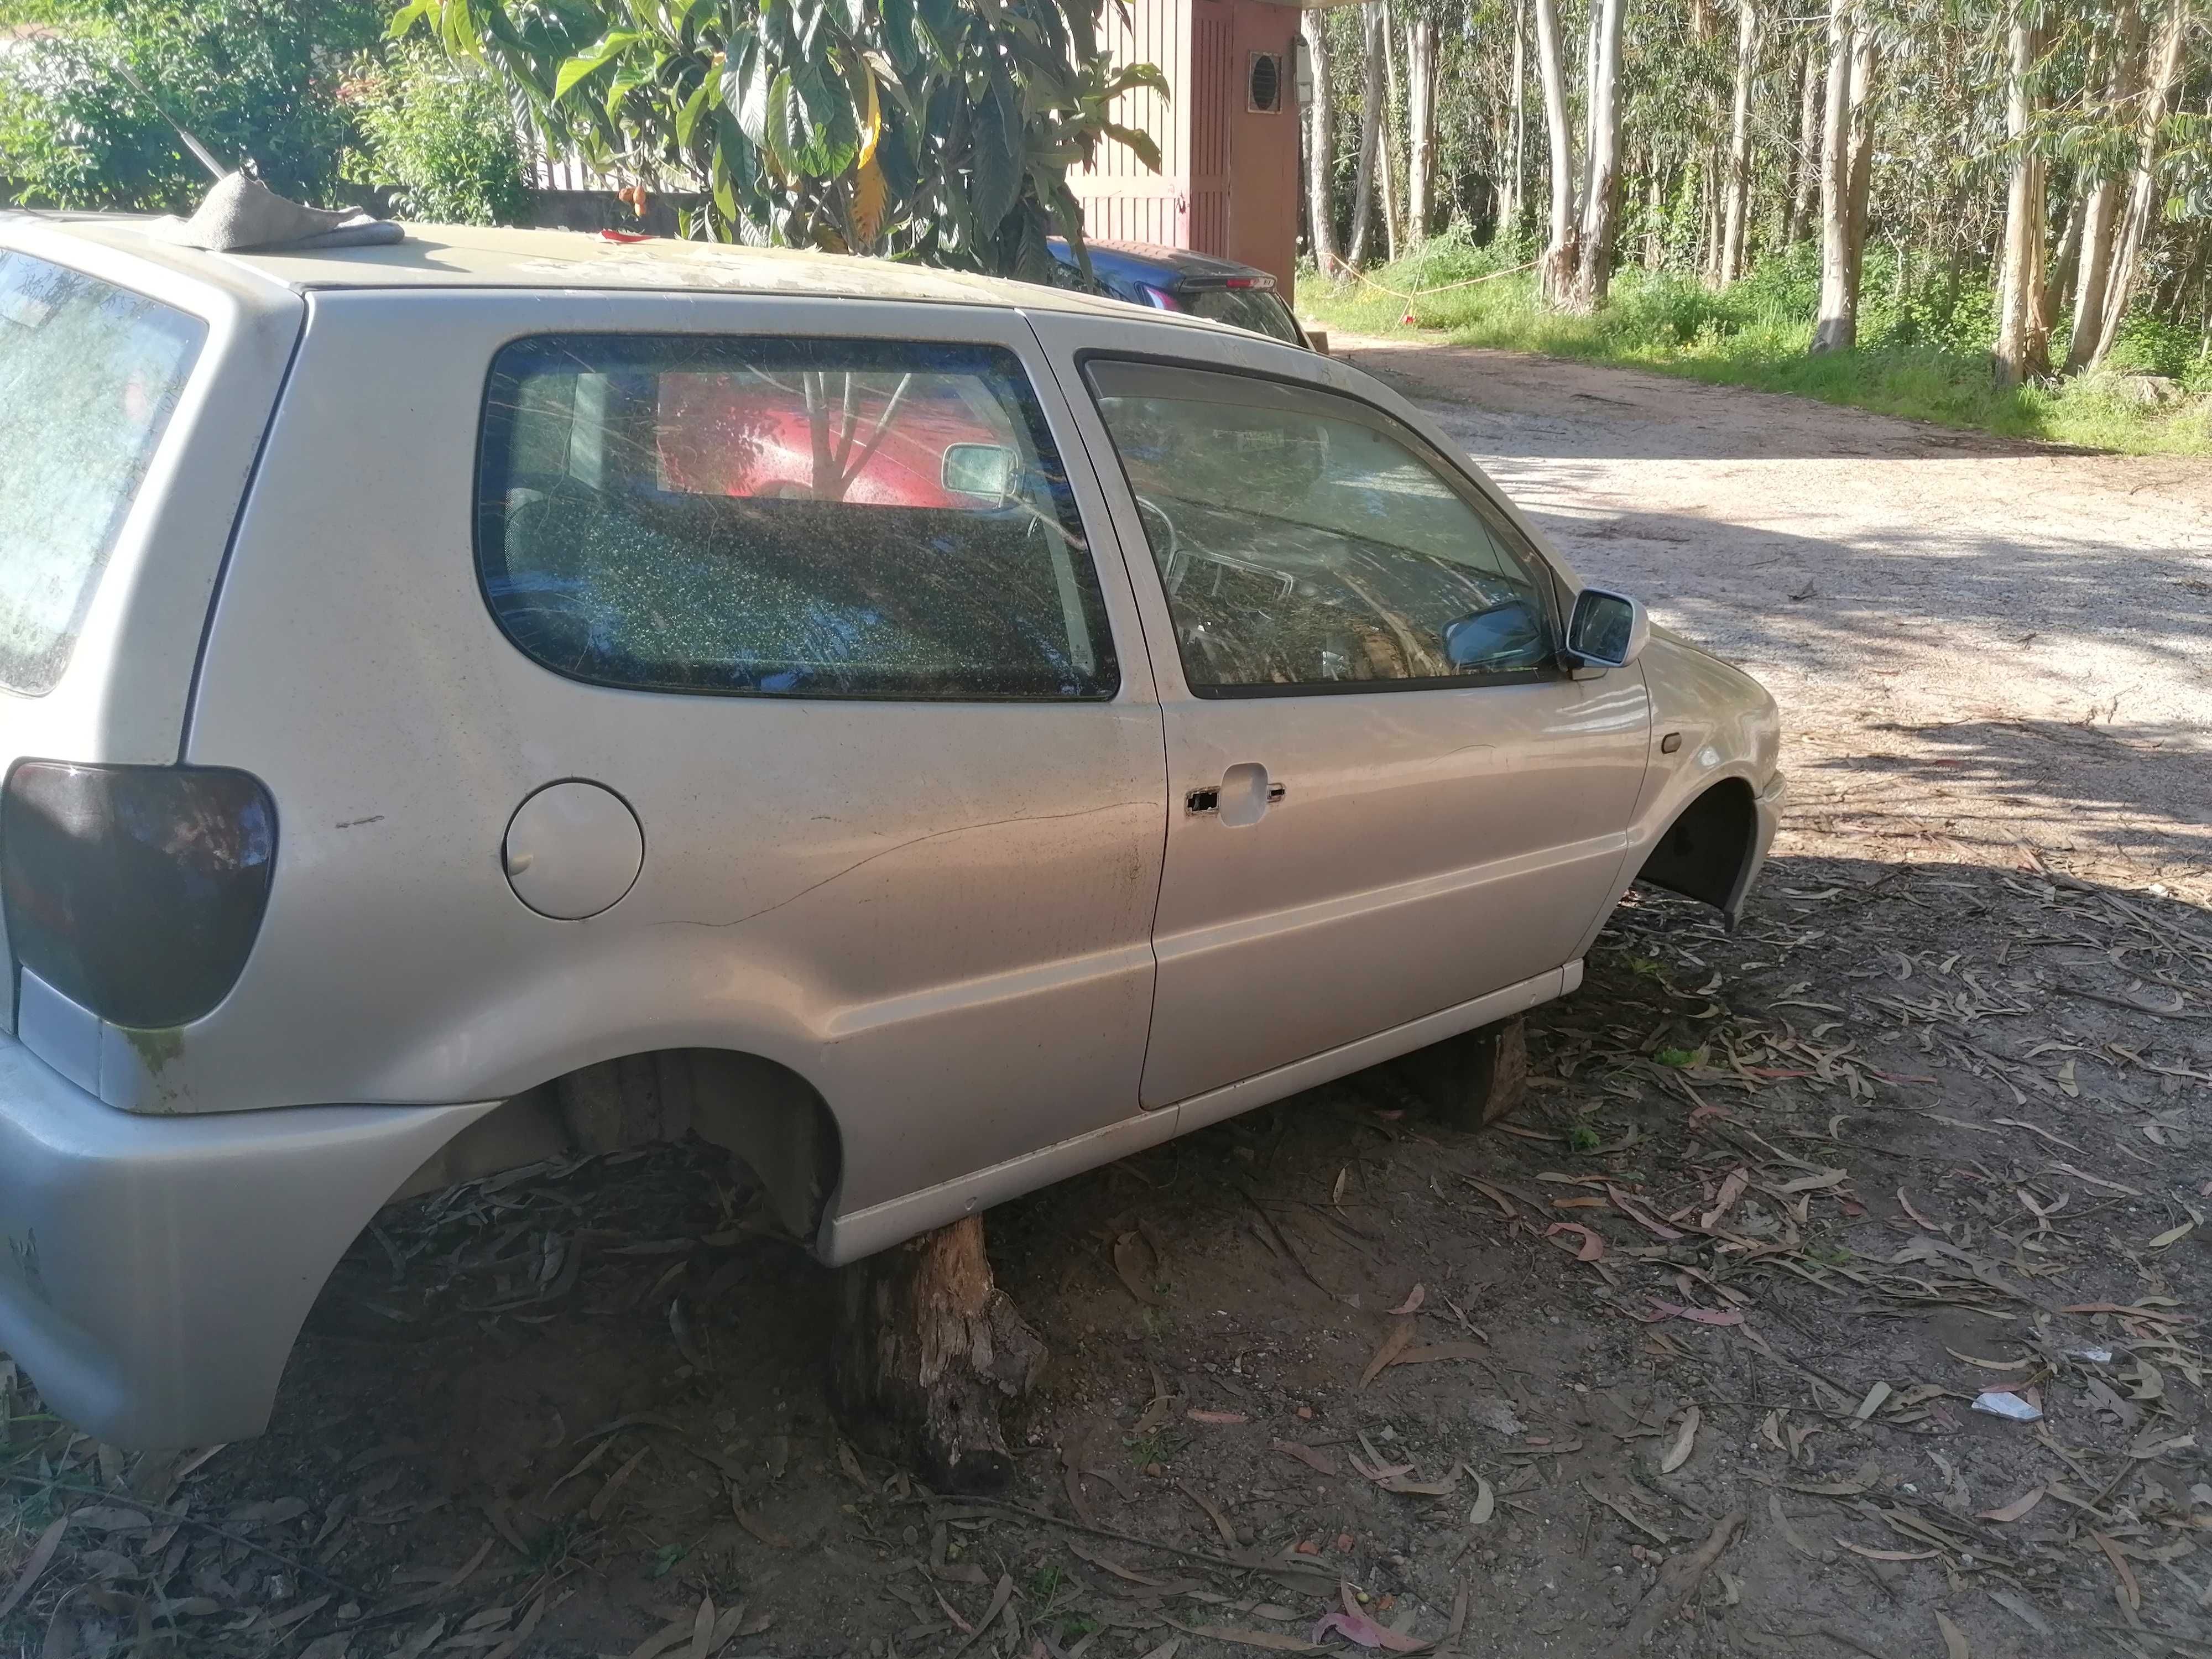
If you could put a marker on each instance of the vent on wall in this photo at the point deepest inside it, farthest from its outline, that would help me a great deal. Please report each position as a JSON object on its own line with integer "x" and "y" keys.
{"x": 1264, "y": 83}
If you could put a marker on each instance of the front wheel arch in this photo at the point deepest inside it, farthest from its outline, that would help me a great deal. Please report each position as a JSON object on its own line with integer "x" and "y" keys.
{"x": 1707, "y": 850}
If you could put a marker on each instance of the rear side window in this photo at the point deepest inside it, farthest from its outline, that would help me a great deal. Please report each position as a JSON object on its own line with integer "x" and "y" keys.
{"x": 785, "y": 517}
{"x": 1261, "y": 310}
{"x": 89, "y": 375}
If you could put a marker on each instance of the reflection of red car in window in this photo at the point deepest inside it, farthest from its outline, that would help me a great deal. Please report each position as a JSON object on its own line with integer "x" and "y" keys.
{"x": 720, "y": 436}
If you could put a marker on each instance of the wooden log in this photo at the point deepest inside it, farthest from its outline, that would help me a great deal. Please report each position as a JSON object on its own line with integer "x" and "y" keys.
{"x": 927, "y": 1348}
{"x": 1472, "y": 1080}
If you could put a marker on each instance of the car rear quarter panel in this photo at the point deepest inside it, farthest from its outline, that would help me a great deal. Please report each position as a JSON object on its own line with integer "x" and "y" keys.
{"x": 122, "y": 697}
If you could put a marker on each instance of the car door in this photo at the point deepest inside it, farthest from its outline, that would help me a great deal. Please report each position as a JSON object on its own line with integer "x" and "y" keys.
{"x": 1388, "y": 797}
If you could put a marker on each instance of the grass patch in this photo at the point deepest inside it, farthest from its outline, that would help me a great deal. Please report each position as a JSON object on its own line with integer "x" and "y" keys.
{"x": 1924, "y": 352}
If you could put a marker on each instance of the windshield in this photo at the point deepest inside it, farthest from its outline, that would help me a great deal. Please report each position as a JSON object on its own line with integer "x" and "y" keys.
{"x": 1259, "y": 309}
{"x": 89, "y": 375}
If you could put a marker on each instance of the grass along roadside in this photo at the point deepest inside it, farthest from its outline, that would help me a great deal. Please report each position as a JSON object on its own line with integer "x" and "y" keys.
{"x": 1925, "y": 339}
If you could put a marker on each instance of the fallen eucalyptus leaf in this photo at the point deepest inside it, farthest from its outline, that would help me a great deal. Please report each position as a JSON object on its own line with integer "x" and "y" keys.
{"x": 1679, "y": 1453}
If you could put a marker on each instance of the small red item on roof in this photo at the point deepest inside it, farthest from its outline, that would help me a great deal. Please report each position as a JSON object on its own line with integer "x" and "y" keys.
{"x": 623, "y": 236}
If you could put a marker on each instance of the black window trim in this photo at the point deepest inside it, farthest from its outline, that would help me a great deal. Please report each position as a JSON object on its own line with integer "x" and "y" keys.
{"x": 1114, "y": 688}
{"x": 1487, "y": 507}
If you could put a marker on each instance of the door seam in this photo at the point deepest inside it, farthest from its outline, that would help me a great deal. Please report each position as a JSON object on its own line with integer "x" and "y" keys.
{"x": 1069, "y": 395}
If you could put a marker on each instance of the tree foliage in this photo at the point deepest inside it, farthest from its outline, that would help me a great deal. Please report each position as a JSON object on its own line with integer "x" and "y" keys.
{"x": 253, "y": 79}
{"x": 440, "y": 135}
{"x": 939, "y": 130}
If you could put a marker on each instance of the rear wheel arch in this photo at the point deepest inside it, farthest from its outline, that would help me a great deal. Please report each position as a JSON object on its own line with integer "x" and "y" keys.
{"x": 761, "y": 1111}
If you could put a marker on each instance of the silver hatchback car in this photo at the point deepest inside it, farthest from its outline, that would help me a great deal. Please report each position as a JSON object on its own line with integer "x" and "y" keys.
{"x": 508, "y": 693}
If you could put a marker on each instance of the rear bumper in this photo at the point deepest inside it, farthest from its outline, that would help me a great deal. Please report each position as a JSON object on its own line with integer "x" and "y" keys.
{"x": 154, "y": 1271}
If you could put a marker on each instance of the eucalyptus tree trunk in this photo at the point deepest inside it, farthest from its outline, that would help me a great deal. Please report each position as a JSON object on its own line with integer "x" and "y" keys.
{"x": 1590, "y": 101}
{"x": 1601, "y": 202}
{"x": 2101, "y": 200}
{"x": 1556, "y": 274}
{"x": 1518, "y": 193}
{"x": 1321, "y": 141}
{"x": 1805, "y": 179}
{"x": 2161, "y": 82}
{"x": 2023, "y": 346}
{"x": 2065, "y": 261}
{"x": 1370, "y": 128}
{"x": 1709, "y": 199}
{"x": 1655, "y": 216}
{"x": 1387, "y": 44}
{"x": 1739, "y": 170}
{"x": 1865, "y": 59}
{"x": 1421, "y": 127}
{"x": 1846, "y": 168}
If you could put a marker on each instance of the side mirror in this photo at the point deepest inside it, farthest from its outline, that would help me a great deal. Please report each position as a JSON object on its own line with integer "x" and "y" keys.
{"x": 1317, "y": 340}
{"x": 1504, "y": 637}
{"x": 987, "y": 470}
{"x": 1606, "y": 629}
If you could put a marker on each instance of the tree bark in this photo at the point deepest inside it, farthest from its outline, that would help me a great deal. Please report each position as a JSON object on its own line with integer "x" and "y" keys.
{"x": 1710, "y": 182}
{"x": 1654, "y": 216}
{"x": 926, "y": 1346}
{"x": 1739, "y": 173}
{"x": 2160, "y": 85}
{"x": 1866, "y": 57}
{"x": 2100, "y": 215}
{"x": 1421, "y": 127}
{"x": 1516, "y": 197}
{"x": 1321, "y": 141}
{"x": 1588, "y": 151}
{"x": 1370, "y": 130}
{"x": 2065, "y": 262}
{"x": 1846, "y": 161}
{"x": 1392, "y": 220}
{"x": 1602, "y": 205}
{"x": 2023, "y": 344}
{"x": 1556, "y": 274}
{"x": 1805, "y": 185}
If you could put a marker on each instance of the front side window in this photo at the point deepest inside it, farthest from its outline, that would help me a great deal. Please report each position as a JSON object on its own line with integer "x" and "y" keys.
{"x": 1309, "y": 543}
{"x": 785, "y": 517}
{"x": 89, "y": 375}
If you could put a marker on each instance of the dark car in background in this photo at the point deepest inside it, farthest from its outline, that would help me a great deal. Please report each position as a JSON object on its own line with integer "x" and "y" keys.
{"x": 1176, "y": 279}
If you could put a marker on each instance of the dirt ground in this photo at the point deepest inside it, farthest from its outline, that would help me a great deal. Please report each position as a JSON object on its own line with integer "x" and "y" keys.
{"x": 1694, "y": 1359}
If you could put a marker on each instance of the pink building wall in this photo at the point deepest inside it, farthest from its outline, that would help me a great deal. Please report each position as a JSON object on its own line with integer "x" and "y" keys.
{"x": 1228, "y": 182}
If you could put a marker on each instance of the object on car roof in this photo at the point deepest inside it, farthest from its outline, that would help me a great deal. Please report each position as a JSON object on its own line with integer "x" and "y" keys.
{"x": 1177, "y": 279}
{"x": 240, "y": 212}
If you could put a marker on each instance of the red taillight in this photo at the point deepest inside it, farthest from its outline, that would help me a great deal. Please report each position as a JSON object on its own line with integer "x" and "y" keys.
{"x": 1247, "y": 281}
{"x": 136, "y": 891}
{"x": 1163, "y": 298}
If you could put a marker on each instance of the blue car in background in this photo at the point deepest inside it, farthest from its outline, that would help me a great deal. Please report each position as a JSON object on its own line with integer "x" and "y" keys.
{"x": 1176, "y": 279}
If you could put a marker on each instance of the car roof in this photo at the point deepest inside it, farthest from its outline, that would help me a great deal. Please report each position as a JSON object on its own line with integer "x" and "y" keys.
{"x": 1136, "y": 261}
{"x": 479, "y": 256}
